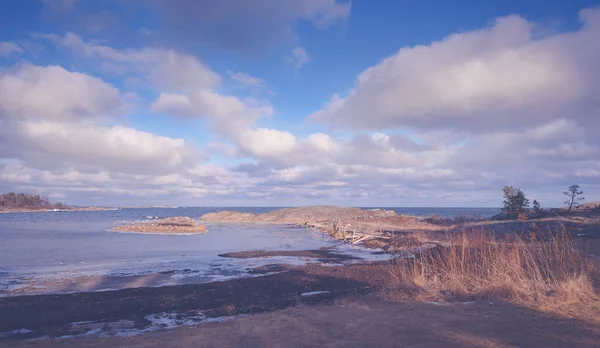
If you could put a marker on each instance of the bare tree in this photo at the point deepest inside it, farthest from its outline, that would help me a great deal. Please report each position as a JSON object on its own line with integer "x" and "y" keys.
{"x": 574, "y": 196}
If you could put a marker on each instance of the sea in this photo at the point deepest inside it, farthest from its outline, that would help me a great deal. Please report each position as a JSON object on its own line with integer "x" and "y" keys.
{"x": 70, "y": 251}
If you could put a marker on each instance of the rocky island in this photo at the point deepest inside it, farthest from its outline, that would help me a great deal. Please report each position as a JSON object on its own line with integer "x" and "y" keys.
{"x": 174, "y": 225}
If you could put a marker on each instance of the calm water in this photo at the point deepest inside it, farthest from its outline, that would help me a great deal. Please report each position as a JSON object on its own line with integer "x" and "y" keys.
{"x": 37, "y": 248}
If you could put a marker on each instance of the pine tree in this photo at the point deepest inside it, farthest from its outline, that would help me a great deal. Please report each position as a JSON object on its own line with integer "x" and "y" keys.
{"x": 574, "y": 196}
{"x": 515, "y": 202}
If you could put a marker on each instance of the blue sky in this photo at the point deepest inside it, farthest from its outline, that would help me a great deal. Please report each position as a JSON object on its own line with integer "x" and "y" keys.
{"x": 265, "y": 102}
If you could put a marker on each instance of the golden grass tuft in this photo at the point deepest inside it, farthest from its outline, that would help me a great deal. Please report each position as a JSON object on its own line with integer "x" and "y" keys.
{"x": 541, "y": 270}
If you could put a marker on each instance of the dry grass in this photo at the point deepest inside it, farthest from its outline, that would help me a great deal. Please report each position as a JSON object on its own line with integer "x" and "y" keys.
{"x": 545, "y": 271}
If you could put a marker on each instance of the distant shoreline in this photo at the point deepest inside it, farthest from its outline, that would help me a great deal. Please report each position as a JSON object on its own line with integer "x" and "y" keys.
{"x": 54, "y": 210}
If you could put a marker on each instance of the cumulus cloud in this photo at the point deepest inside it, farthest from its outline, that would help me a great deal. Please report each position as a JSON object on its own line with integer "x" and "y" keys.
{"x": 227, "y": 115}
{"x": 53, "y": 118}
{"x": 298, "y": 58}
{"x": 163, "y": 68}
{"x": 9, "y": 48}
{"x": 53, "y": 93}
{"x": 57, "y": 137}
{"x": 265, "y": 142}
{"x": 188, "y": 88}
{"x": 246, "y": 79}
{"x": 91, "y": 147}
{"x": 496, "y": 77}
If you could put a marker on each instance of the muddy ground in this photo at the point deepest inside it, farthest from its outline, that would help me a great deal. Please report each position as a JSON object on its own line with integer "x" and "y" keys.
{"x": 368, "y": 321}
{"x": 52, "y": 315}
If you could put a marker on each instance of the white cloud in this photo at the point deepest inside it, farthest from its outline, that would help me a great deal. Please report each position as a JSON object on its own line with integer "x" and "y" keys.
{"x": 93, "y": 147}
{"x": 164, "y": 68}
{"x": 298, "y": 58}
{"x": 246, "y": 80}
{"x": 494, "y": 77}
{"x": 8, "y": 48}
{"x": 34, "y": 92}
{"x": 187, "y": 86}
{"x": 173, "y": 104}
{"x": 227, "y": 115}
{"x": 265, "y": 142}
{"x": 54, "y": 118}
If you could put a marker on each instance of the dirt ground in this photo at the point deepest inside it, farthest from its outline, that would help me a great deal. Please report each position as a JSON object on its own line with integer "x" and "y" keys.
{"x": 367, "y": 321}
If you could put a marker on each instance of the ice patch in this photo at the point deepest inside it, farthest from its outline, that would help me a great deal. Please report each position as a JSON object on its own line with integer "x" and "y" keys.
{"x": 173, "y": 320}
{"x": 362, "y": 254}
{"x": 450, "y": 303}
{"x": 14, "y": 332}
{"x": 313, "y": 293}
{"x": 158, "y": 321}
{"x": 88, "y": 333}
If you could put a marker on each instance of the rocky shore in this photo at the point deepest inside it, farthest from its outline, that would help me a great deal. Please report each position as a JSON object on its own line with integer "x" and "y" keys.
{"x": 393, "y": 232}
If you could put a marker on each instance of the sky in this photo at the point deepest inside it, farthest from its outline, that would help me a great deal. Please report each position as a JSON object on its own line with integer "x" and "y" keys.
{"x": 300, "y": 102}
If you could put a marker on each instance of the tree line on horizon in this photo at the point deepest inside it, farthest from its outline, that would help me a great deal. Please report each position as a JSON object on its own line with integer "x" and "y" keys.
{"x": 25, "y": 200}
{"x": 516, "y": 204}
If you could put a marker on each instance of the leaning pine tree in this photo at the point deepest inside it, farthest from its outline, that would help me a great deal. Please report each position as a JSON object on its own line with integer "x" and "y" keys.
{"x": 574, "y": 196}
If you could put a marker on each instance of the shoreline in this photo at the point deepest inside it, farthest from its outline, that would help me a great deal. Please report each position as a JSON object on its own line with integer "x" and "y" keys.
{"x": 278, "y": 287}
{"x": 57, "y": 210}
{"x": 231, "y": 265}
